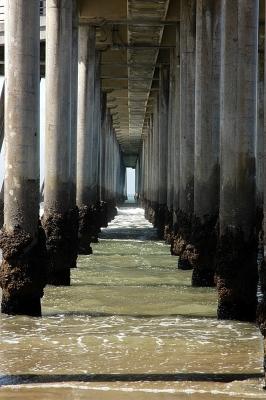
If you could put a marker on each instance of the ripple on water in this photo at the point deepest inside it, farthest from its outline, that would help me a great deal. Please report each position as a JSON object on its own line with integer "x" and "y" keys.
{"x": 130, "y": 311}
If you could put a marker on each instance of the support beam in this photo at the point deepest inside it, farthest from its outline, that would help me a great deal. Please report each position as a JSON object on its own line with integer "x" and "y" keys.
{"x": 261, "y": 312}
{"x": 187, "y": 104}
{"x": 207, "y": 124}
{"x": 236, "y": 272}
{"x": 163, "y": 148}
{"x": 22, "y": 274}
{"x": 151, "y": 207}
{"x": 176, "y": 131}
{"x": 74, "y": 213}
{"x": 183, "y": 217}
{"x": 57, "y": 220}
{"x": 2, "y": 132}
{"x": 74, "y": 105}
{"x": 85, "y": 134}
{"x": 168, "y": 230}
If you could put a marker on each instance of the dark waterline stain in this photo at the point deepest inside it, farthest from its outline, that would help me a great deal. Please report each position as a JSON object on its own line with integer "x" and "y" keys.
{"x": 179, "y": 377}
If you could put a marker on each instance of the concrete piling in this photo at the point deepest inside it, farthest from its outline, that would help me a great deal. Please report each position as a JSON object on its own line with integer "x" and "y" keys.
{"x": 207, "y": 125}
{"x": 22, "y": 240}
{"x": 183, "y": 218}
{"x": 58, "y": 210}
{"x": 198, "y": 146}
{"x": 85, "y": 134}
{"x": 236, "y": 270}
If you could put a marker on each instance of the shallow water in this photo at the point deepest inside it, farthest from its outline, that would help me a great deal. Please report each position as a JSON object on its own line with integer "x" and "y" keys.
{"x": 129, "y": 327}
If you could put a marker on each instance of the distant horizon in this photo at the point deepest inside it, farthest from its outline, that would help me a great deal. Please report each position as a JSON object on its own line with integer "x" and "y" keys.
{"x": 131, "y": 182}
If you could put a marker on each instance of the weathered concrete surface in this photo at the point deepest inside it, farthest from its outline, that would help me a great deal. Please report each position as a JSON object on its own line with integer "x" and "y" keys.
{"x": 236, "y": 274}
{"x": 22, "y": 273}
{"x": 59, "y": 207}
{"x": 207, "y": 125}
{"x": 88, "y": 134}
{"x": 74, "y": 104}
{"x": 187, "y": 130}
{"x": 261, "y": 311}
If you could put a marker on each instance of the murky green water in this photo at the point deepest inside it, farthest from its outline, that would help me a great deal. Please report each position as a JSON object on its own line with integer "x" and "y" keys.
{"x": 130, "y": 312}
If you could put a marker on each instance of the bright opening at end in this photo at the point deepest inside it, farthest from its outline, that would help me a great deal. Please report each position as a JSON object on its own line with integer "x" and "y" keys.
{"x": 130, "y": 185}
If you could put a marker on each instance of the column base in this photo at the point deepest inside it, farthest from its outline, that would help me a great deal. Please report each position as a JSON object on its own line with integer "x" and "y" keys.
{"x": 236, "y": 276}
{"x": 157, "y": 215}
{"x": 168, "y": 229}
{"x": 23, "y": 272}
{"x": 160, "y": 220}
{"x": 150, "y": 210}
{"x": 103, "y": 214}
{"x": 202, "y": 257}
{"x": 180, "y": 244}
{"x": 88, "y": 228}
{"x": 203, "y": 278}
{"x": 85, "y": 249}
{"x": 60, "y": 278}
{"x": 184, "y": 263}
{"x": 111, "y": 211}
{"x": 73, "y": 228}
{"x": 1, "y": 213}
{"x": 62, "y": 245}
{"x": 15, "y": 305}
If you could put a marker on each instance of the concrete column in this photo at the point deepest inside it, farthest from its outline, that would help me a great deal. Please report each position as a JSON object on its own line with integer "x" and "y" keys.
{"x": 261, "y": 312}
{"x": 85, "y": 133}
{"x": 207, "y": 124}
{"x": 150, "y": 161}
{"x": 150, "y": 208}
{"x": 57, "y": 219}
{"x": 260, "y": 136}
{"x": 259, "y": 146}
{"x": 102, "y": 160}
{"x": 259, "y": 149}
{"x": 147, "y": 157}
{"x": 109, "y": 167}
{"x": 102, "y": 146}
{"x": 168, "y": 230}
{"x": 93, "y": 154}
{"x": 2, "y": 131}
{"x": 171, "y": 112}
{"x": 142, "y": 177}
{"x": 22, "y": 275}
{"x": 187, "y": 104}
{"x": 236, "y": 253}
{"x": 74, "y": 104}
{"x": 183, "y": 216}
{"x": 74, "y": 212}
{"x": 86, "y": 94}
{"x": 145, "y": 168}
{"x": 107, "y": 157}
{"x": 176, "y": 129}
{"x": 163, "y": 147}
{"x": 97, "y": 116}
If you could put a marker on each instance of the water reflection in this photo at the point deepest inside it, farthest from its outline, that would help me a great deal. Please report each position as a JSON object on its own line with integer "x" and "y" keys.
{"x": 129, "y": 311}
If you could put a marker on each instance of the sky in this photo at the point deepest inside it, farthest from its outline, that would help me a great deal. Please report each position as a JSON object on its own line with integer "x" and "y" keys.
{"x": 130, "y": 181}
{"x": 130, "y": 171}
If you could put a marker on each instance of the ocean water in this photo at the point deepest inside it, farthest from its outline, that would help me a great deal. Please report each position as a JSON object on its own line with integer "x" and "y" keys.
{"x": 129, "y": 327}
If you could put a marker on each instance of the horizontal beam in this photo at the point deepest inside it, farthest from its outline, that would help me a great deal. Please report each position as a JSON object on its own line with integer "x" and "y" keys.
{"x": 136, "y": 46}
{"x": 122, "y": 78}
{"x": 126, "y": 64}
{"x": 133, "y": 22}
